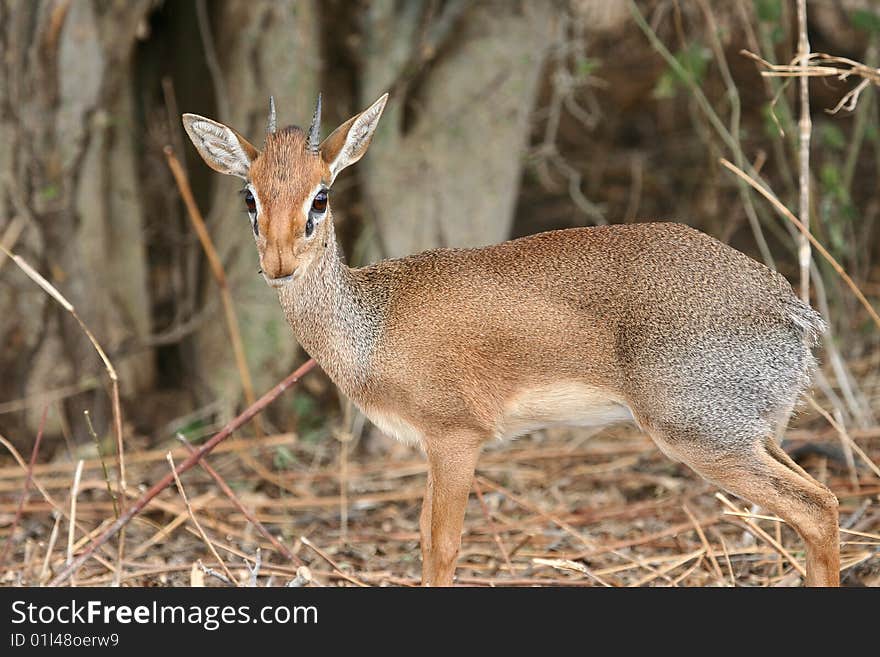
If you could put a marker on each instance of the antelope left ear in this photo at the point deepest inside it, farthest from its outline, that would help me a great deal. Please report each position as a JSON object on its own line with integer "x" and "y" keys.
{"x": 348, "y": 143}
{"x": 221, "y": 147}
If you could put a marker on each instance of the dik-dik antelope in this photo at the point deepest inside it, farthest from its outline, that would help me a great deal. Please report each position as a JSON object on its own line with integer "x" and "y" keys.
{"x": 702, "y": 347}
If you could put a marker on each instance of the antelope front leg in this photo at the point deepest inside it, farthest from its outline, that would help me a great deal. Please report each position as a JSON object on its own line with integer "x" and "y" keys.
{"x": 451, "y": 465}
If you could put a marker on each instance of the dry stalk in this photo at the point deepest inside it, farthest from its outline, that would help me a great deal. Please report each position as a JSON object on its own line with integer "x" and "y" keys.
{"x": 805, "y": 126}
{"x": 757, "y": 531}
{"x": 241, "y": 507}
{"x": 194, "y": 458}
{"x": 47, "y": 287}
{"x": 706, "y": 547}
{"x": 25, "y": 492}
{"x": 53, "y": 537}
{"x": 845, "y": 437}
{"x": 784, "y": 211}
{"x": 326, "y": 557}
{"x": 494, "y": 530}
{"x": 219, "y": 274}
{"x": 195, "y": 521}
{"x": 71, "y": 528}
{"x": 56, "y": 506}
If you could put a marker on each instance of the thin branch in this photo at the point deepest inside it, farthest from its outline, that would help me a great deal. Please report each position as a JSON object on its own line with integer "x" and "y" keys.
{"x": 770, "y": 196}
{"x": 216, "y": 265}
{"x": 248, "y": 414}
{"x": 493, "y": 529}
{"x": 35, "y": 276}
{"x": 195, "y": 521}
{"x": 25, "y": 492}
{"x": 241, "y": 507}
{"x": 805, "y": 127}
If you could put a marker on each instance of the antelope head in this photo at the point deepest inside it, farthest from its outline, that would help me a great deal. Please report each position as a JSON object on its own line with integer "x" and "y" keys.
{"x": 287, "y": 184}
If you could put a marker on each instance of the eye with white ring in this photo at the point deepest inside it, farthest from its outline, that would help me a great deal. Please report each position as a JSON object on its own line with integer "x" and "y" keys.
{"x": 250, "y": 202}
{"x": 319, "y": 207}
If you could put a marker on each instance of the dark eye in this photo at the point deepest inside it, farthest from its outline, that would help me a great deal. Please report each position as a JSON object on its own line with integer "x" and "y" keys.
{"x": 319, "y": 203}
{"x": 310, "y": 227}
{"x": 250, "y": 201}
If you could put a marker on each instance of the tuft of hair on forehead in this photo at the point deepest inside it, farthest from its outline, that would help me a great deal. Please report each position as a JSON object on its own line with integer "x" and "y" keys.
{"x": 286, "y": 165}
{"x": 287, "y": 141}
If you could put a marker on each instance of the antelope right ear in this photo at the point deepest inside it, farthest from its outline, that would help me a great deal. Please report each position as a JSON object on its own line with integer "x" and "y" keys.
{"x": 221, "y": 147}
{"x": 348, "y": 143}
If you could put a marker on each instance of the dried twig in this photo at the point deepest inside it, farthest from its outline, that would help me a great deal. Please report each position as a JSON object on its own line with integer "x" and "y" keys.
{"x": 770, "y": 196}
{"x": 845, "y": 437}
{"x": 194, "y": 458}
{"x": 705, "y": 542}
{"x": 25, "y": 492}
{"x": 841, "y": 68}
{"x": 241, "y": 507}
{"x": 757, "y": 531}
{"x": 195, "y": 521}
{"x": 219, "y": 274}
{"x": 71, "y": 529}
{"x": 47, "y": 287}
{"x": 326, "y": 557}
{"x": 53, "y": 537}
{"x": 493, "y": 529}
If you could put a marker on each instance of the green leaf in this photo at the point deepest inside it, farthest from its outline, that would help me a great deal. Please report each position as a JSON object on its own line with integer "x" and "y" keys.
{"x": 865, "y": 19}
{"x": 585, "y": 67}
{"x": 694, "y": 60}
{"x": 665, "y": 87}
{"x": 50, "y": 192}
{"x": 830, "y": 177}
{"x": 284, "y": 458}
{"x": 832, "y": 136}
{"x": 769, "y": 11}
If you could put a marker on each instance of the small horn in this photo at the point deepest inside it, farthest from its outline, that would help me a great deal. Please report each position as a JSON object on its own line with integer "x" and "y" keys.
{"x": 315, "y": 128}
{"x": 272, "y": 124}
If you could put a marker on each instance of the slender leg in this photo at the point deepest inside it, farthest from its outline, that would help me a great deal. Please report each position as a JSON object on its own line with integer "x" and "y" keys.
{"x": 452, "y": 463}
{"x": 767, "y": 476}
{"x": 425, "y": 528}
{"x": 823, "y": 554}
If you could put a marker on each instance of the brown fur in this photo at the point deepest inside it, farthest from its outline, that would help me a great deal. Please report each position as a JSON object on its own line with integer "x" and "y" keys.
{"x": 702, "y": 346}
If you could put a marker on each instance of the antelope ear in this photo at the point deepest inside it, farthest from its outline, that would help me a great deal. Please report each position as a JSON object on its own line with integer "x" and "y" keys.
{"x": 221, "y": 147}
{"x": 348, "y": 143}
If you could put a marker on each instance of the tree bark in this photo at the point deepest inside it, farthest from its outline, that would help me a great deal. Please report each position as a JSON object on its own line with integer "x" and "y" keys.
{"x": 445, "y": 164}
{"x": 263, "y": 47}
{"x": 68, "y": 170}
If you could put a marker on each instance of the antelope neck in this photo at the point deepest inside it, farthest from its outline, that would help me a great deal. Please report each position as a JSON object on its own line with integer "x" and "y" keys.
{"x": 334, "y": 317}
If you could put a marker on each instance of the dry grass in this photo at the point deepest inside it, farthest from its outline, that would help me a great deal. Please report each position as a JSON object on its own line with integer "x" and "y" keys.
{"x": 556, "y": 508}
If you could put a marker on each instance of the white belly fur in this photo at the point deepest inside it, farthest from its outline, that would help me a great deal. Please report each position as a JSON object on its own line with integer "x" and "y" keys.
{"x": 562, "y": 403}
{"x": 394, "y": 426}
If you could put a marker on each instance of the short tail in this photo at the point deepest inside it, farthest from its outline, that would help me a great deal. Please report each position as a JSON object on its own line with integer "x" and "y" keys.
{"x": 808, "y": 322}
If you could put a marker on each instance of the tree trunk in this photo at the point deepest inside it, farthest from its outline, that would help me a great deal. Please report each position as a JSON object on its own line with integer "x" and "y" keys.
{"x": 444, "y": 166}
{"x": 263, "y": 47}
{"x": 68, "y": 174}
